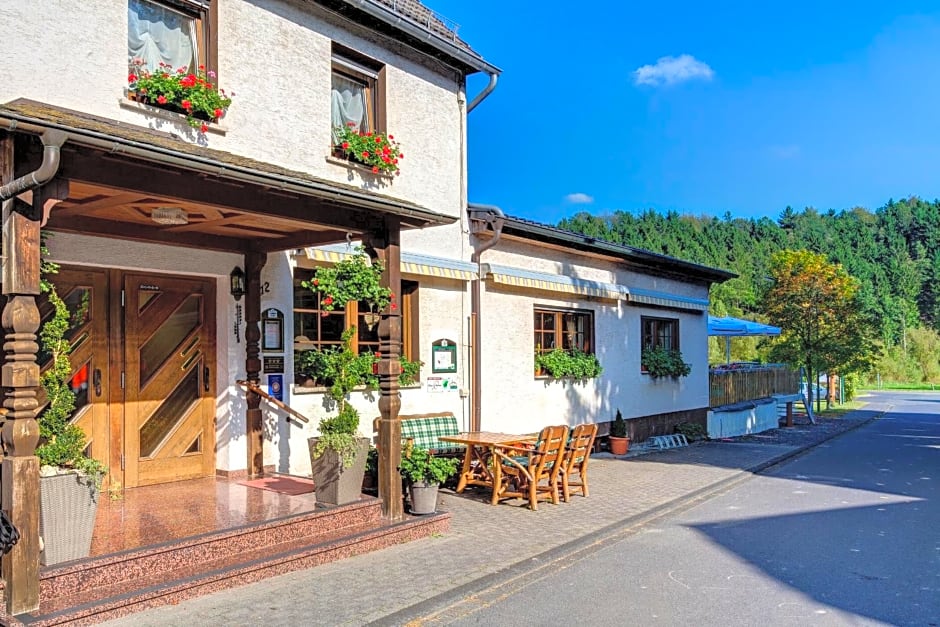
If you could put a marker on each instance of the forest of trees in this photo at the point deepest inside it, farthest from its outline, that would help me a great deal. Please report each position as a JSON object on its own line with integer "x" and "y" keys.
{"x": 894, "y": 252}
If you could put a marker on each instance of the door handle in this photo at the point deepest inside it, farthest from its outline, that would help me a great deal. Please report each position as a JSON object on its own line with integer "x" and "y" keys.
{"x": 205, "y": 378}
{"x": 96, "y": 381}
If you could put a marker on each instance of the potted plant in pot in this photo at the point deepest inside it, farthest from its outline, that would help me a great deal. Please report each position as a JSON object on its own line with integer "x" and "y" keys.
{"x": 338, "y": 454}
{"x": 424, "y": 474}
{"x": 618, "y": 439}
{"x": 70, "y": 482}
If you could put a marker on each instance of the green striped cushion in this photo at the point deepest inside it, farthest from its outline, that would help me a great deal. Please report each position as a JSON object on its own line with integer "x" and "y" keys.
{"x": 424, "y": 433}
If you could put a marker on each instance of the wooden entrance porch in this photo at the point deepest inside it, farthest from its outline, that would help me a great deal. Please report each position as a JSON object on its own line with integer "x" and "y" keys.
{"x": 69, "y": 172}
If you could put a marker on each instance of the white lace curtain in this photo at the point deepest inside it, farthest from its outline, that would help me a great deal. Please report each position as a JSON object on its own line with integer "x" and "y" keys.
{"x": 350, "y": 104}
{"x": 159, "y": 34}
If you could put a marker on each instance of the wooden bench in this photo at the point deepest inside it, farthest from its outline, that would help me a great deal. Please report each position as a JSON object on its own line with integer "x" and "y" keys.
{"x": 423, "y": 431}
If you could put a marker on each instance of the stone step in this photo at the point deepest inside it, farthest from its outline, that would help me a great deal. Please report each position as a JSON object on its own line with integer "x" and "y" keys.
{"x": 89, "y": 591}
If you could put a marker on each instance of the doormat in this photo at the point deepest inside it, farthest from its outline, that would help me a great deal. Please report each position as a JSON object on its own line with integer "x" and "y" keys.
{"x": 292, "y": 486}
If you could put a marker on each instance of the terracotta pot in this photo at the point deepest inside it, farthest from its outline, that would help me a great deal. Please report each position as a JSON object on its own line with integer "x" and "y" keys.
{"x": 619, "y": 446}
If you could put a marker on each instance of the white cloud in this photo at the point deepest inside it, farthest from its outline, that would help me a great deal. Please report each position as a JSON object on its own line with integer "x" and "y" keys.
{"x": 579, "y": 199}
{"x": 672, "y": 70}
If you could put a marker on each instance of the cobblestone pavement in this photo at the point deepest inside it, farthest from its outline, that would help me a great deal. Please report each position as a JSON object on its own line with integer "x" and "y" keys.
{"x": 487, "y": 542}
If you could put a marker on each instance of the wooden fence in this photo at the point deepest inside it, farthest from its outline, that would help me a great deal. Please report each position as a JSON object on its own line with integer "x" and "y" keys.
{"x": 727, "y": 387}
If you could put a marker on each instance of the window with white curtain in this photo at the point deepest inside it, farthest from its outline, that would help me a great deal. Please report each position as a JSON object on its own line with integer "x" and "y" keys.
{"x": 353, "y": 95}
{"x": 164, "y": 32}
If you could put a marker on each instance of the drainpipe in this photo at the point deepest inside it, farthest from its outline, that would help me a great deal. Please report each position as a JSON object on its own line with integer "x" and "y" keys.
{"x": 483, "y": 218}
{"x": 52, "y": 141}
{"x": 483, "y": 94}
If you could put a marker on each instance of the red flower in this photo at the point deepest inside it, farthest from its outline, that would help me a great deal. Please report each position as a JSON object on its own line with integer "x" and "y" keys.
{"x": 391, "y": 295}
{"x": 345, "y": 145}
{"x": 386, "y": 150}
{"x": 395, "y": 161}
{"x": 378, "y": 139}
{"x": 375, "y": 169}
{"x": 187, "y": 104}
{"x": 394, "y": 306}
{"x": 204, "y": 127}
{"x": 369, "y": 134}
{"x": 202, "y": 67}
{"x": 365, "y": 154}
{"x": 328, "y": 300}
{"x": 218, "y": 113}
{"x": 391, "y": 137}
{"x": 161, "y": 99}
{"x": 131, "y": 78}
{"x": 316, "y": 281}
{"x": 350, "y": 124}
{"x": 401, "y": 155}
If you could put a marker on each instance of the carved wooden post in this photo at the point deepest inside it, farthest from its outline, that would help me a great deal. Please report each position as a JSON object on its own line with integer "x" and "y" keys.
{"x": 254, "y": 262}
{"x": 20, "y": 377}
{"x": 388, "y": 247}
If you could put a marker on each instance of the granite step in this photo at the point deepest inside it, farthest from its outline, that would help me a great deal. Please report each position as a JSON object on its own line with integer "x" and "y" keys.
{"x": 90, "y": 591}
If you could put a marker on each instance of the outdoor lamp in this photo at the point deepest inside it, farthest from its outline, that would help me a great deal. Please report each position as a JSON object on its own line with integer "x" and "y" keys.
{"x": 237, "y": 287}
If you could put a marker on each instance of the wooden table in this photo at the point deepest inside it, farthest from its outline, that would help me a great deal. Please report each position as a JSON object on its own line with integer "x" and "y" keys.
{"x": 476, "y": 461}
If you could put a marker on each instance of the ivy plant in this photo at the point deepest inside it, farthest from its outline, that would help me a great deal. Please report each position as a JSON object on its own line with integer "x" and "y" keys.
{"x": 662, "y": 362}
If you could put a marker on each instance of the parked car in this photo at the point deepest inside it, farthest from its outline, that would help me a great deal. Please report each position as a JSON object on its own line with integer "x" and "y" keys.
{"x": 820, "y": 392}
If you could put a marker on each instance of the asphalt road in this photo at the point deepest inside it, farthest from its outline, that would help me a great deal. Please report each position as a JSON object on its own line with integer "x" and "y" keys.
{"x": 848, "y": 534}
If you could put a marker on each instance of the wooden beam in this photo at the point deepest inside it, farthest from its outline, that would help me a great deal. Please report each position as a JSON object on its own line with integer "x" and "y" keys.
{"x": 137, "y": 232}
{"x": 19, "y": 490}
{"x": 386, "y": 244}
{"x": 302, "y": 240}
{"x": 254, "y": 262}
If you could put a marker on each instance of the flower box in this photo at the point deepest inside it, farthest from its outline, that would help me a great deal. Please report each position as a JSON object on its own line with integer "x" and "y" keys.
{"x": 188, "y": 93}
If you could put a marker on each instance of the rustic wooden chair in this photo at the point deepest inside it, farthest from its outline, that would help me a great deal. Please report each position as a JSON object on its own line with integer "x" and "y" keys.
{"x": 532, "y": 472}
{"x": 577, "y": 454}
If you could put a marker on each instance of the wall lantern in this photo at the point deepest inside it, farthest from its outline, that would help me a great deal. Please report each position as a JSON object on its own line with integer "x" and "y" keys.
{"x": 237, "y": 279}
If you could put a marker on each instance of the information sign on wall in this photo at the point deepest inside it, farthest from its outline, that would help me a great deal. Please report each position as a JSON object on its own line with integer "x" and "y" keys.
{"x": 443, "y": 356}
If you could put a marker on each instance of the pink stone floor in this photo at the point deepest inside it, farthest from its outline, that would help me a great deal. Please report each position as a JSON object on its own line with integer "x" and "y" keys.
{"x": 145, "y": 516}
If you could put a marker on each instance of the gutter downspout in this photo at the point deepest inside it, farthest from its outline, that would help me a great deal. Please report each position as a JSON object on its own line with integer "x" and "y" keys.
{"x": 52, "y": 141}
{"x": 483, "y": 218}
{"x": 483, "y": 94}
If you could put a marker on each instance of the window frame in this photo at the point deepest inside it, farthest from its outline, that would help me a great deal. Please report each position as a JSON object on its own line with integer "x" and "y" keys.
{"x": 653, "y": 334}
{"x": 352, "y": 313}
{"x": 205, "y": 14}
{"x": 558, "y": 316}
{"x": 354, "y": 66}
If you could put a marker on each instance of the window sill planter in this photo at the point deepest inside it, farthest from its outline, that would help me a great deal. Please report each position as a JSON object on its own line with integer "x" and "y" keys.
{"x": 165, "y": 112}
{"x": 337, "y": 157}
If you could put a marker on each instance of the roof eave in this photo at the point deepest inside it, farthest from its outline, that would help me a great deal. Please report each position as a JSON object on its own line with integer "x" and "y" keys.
{"x": 635, "y": 255}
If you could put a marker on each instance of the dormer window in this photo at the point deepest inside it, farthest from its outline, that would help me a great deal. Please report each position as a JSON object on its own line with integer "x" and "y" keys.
{"x": 356, "y": 92}
{"x": 169, "y": 32}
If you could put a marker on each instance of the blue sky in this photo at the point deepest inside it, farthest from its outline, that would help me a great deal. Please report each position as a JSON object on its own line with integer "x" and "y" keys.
{"x": 702, "y": 107}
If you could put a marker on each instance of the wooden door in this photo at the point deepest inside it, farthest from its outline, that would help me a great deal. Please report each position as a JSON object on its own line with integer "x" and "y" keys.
{"x": 85, "y": 293}
{"x": 169, "y": 388}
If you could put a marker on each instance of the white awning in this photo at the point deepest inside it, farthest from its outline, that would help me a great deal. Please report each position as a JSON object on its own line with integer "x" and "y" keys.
{"x": 423, "y": 265}
{"x": 518, "y": 277}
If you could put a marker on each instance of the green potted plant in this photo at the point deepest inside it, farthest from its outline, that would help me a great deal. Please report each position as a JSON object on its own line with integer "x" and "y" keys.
{"x": 424, "y": 474}
{"x": 354, "y": 278}
{"x": 662, "y": 362}
{"x": 576, "y": 364}
{"x": 180, "y": 90}
{"x": 310, "y": 367}
{"x": 618, "y": 440}
{"x": 338, "y": 454}
{"x": 377, "y": 151}
{"x": 70, "y": 482}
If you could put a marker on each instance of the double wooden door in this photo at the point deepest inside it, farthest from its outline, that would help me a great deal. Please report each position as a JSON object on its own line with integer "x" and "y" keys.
{"x": 143, "y": 363}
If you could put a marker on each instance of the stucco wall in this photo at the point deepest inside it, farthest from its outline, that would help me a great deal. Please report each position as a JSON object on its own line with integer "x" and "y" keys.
{"x": 275, "y": 56}
{"x": 515, "y": 400}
